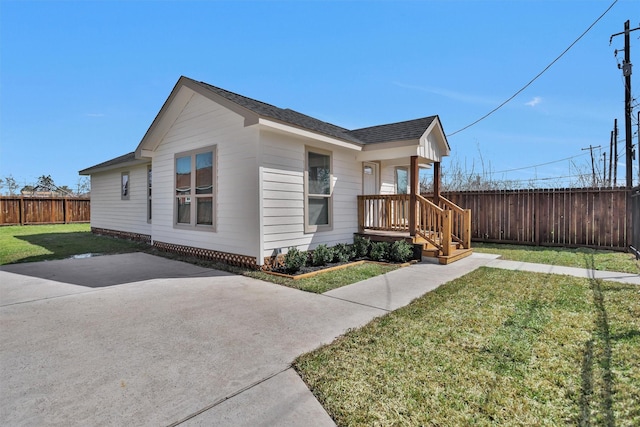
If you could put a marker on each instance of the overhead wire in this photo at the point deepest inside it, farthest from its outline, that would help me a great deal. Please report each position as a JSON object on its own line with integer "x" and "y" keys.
{"x": 538, "y": 75}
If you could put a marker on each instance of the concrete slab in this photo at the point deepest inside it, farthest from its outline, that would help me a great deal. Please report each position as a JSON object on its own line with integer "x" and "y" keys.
{"x": 157, "y": 351}
{"x": 100, "y": 271}
{"x": 398, "y": 288}
{"x": 17, "y": 288}
{"x": 283, "y": 400}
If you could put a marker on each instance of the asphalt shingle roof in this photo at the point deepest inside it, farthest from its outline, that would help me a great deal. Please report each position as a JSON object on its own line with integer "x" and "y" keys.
{"x": 407, "y": 130}
{"x": 129, "y": 157}
{"x": 412, "y": 129}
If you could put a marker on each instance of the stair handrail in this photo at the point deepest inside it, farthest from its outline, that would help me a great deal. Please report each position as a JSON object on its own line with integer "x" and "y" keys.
{"x": 431, "y": 224}
{"x": 461, "y": 222}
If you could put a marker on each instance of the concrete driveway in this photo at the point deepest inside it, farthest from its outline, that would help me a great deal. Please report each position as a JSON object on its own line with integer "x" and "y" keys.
{"x": 135, "y": 339}
{"x": 91, "y": 348}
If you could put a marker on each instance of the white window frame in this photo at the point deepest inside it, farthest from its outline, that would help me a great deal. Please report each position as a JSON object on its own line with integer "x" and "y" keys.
{"x": 149, "y": 193}
{"x": 125, "y": 189}
{"x": 192, "y": 225}
{"x": 312, "y": 228}
{"x": 395, "y": 179}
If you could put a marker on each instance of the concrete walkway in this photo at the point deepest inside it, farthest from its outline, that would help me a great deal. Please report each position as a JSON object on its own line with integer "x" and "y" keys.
{"x": 633, "y": 279}
{"x": 81, "y": 344}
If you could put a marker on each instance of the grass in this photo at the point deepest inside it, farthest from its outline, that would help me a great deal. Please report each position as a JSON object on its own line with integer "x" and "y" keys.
{"x": 581, "y": 257}
{"x": 494, "y": 347}
{"x": 47, "y": 242}
{"x": 50, "y": 242}
{"x": 330, "y": 280}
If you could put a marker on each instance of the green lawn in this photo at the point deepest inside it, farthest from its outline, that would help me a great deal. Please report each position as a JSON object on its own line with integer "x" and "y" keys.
{"x": 31, "y": 243}
{"x": 581, "y": 257}
{"x": 330, "y": 280}
{"x": 494, "y": 347}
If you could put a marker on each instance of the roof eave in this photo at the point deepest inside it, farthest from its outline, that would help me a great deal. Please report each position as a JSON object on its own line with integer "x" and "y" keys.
{"x": 280, "y": 126}
{"x": 181, "y": 94}
{"x": 93, "y": 170}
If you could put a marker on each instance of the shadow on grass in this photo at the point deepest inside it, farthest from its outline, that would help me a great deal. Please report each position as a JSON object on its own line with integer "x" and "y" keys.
{"x": 127, "y": 261}
{"x": 66, "y": 245}
{"x": 598, "y": 351}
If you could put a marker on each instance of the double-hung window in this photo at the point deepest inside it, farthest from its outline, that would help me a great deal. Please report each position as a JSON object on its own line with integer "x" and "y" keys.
{"x": 318, "y": 191}
{"x": 195, "y": 174}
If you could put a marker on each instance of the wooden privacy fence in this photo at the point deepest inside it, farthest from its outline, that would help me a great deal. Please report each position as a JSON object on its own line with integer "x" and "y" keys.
{"x": 589, "y": 217}
{"x": 635, "y": 220}
{"x": 19, "y": 210}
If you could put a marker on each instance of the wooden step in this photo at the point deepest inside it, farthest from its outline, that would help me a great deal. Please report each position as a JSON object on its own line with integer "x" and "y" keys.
{"x": 455, "y": 256}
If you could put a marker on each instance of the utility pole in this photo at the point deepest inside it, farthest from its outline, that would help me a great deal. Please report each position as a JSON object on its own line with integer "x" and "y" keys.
{"x": 610, "y": 158}
{"x": 615, "y": 152}
{"x": 626, "y": 72}
{"x": 593, "y": 168}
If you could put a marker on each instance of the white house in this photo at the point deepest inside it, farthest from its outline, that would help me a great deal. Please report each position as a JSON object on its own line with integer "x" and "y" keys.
{"x": 228, "y": 177}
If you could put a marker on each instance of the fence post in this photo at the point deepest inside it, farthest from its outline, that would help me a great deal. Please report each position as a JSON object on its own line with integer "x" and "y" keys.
{"x": 536, "y": 213}
{"x": 21, "y": 210}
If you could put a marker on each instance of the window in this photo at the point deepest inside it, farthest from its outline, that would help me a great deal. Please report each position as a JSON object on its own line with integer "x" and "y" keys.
{"x": 124, "y": 185}
{"x": 402, "y": 181}
{"x": 195, "y": 184}
{"x": 149, "y": 194}
{"x": 318, "y": 203}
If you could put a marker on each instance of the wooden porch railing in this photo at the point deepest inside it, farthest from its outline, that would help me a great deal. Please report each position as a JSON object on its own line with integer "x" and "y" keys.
{"x": 388, "y": 212}
{"x": 461, "y": 222}
{"x": 438, "y": 224}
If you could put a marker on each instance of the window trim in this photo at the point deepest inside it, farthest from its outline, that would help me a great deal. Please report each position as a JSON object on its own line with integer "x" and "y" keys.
{"x": 395, "y": 179}
{"x": 149, "y": 193}
{"x": 309, "y": 228}
{"x": 125, "y": 195}
{"x": 193, "y": 225}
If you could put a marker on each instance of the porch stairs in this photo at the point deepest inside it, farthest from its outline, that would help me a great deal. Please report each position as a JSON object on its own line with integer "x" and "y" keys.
{"x": 457, "y": 252}
{"x": 442, "y": 229}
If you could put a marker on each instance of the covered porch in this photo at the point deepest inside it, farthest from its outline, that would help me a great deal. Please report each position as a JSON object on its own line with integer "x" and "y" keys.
{"x": 442, "y": 228}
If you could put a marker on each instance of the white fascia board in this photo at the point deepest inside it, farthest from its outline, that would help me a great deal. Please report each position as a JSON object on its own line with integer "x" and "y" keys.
{"x": 439, "y": 133}
{"x": 388, "y": 153}
{"x": 165, "y": 119}
{"x": 123, "y": 165}
{"x": 281, "y": 127}
{"x": 144, "y": 154}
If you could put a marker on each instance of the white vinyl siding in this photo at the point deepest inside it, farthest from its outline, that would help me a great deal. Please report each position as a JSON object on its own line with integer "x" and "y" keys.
{"x": 201, "y": 124}
{"x": 110, "y": 211}
{"x": 283, "y": 197}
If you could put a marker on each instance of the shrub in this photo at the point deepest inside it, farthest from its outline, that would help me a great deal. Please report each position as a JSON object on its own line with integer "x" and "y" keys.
{"x": 322, "y": 255}
{"x": 343, "y": 252}
{"x": 400, "y": 251}
{"x": 379, "y": 251}
{"x": 294, "y": 260}
{"x": 361, "y": 246}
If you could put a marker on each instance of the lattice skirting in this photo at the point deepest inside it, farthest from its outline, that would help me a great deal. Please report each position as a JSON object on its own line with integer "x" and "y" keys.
{"x": 208, "y": 254}
{"x": 144, "y": 238}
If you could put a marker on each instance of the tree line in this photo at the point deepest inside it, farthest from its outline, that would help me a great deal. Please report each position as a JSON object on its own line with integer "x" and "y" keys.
{"x": 44, "y": 186}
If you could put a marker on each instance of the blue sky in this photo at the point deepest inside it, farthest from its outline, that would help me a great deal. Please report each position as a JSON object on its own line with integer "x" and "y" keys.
{"x": 80, "y": 82}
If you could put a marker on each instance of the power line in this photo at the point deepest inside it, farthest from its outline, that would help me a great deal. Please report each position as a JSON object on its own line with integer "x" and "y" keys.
{"x": 539, "y": 74}
{"x": 538, "y": 165}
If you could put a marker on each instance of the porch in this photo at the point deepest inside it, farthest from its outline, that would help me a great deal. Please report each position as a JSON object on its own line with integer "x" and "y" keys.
{"x": 440, "y": 226}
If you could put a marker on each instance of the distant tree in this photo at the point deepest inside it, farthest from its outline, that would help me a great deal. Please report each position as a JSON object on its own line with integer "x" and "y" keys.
{"x": 9, "y": 183}
{"x": 45, "y": 183}
{"x": 84, "y": 186}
